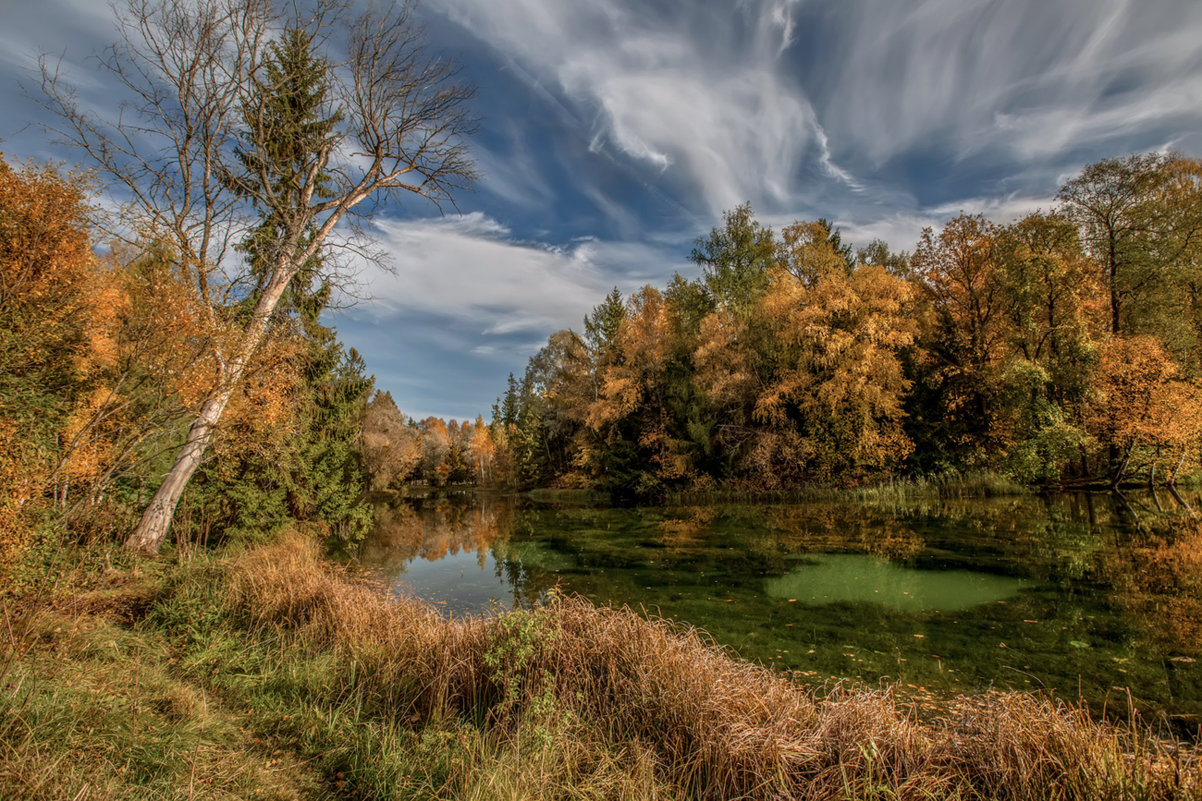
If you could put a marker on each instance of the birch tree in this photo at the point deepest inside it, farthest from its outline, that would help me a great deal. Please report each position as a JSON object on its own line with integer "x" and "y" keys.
{"x": 269, "y": 125}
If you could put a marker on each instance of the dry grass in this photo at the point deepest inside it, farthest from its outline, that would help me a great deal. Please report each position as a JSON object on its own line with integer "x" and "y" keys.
{"x": 606, "y": 694}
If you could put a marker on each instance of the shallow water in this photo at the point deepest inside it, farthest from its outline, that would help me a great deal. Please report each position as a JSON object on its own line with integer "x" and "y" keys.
{"x": 861, "y": 578}
{"x": 1086, "y": 596}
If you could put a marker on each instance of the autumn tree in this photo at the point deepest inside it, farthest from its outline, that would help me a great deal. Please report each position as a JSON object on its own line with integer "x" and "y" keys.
{"x": 1138, "y": 215}
{"x": 391, "y": 446}
{"x": 840, "y": 328}
{"x": 733, "y": 344}
{"x": 1051, "y": 307}
{"x": 238, "y": 123}
{"x": 638, "y": 454}
{"x": 1141, "y": 404}
{"x": 562, "y": 379}
{"x": 957, "y": 274}
{"x": 47, "y": 274}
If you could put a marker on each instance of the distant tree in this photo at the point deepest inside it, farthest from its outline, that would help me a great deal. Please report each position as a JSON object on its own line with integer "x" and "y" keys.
{"x": 735, "y": 258}
{"x": 1119, "y": 205}
{"x": 1141, "y": 403}
{"x": 1050, "y": 300}
{"x": 601, "y": 326}
{"x": 958, "y": 275}
{"x": 839, "y": 382}
{"x": 877, "y": 252}
{"x": 391, "y": 446}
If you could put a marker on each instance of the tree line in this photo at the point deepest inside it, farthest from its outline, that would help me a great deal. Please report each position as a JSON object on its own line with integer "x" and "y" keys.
{"x": 1064, "y": 348}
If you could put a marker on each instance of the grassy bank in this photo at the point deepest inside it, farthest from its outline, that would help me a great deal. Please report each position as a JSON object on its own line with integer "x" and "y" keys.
{"x": 943, "y": 485}
{"x": 269, "y": 673}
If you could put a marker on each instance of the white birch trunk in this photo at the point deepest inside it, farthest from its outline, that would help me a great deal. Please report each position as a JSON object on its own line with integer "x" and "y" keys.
{"x": 156, "y": 519}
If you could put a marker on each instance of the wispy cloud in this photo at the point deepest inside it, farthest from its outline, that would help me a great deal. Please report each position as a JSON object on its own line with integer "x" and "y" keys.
{"x": 1028, "y": 78}
{"x": 468, "y": 268}
{"x": 901, "y": 230}
{"x": 704, "y": 104}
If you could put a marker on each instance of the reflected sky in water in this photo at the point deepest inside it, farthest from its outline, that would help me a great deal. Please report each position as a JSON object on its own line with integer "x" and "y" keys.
{"x": 460, "y": 583}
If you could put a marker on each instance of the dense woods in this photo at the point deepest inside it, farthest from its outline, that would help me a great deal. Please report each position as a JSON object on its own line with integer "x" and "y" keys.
{"x": 1064, "y": 348}
{"x": 1061, "y": 348}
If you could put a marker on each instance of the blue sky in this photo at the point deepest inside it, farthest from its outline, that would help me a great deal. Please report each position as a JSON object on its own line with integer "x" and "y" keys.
{"x": 614, "y": 133}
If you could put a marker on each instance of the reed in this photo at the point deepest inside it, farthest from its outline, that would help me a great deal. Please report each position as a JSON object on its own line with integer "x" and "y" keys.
{"x": 947, "y": 485}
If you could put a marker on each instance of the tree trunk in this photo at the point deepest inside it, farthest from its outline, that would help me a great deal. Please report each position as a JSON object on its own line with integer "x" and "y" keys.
{"x": 1112, "y": 260}
{"x": 156, "y": 519}
{"x": 1172, "y": 482}
{"x": 1121, "y": 470}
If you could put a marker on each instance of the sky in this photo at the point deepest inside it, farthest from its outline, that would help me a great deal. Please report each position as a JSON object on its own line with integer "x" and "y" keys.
{"x": 614, "y": 133}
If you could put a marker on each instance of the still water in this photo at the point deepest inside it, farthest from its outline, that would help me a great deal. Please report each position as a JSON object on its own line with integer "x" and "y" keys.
{"x": 1088, "y": 596}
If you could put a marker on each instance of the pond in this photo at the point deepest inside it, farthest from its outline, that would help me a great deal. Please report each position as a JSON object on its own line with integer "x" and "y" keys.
{"x": 1092, "y": 597}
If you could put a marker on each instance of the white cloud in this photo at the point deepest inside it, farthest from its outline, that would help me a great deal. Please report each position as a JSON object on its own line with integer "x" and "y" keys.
{"x": 901, "y": 230}
{"x": 706, "y": 108}
{"x": 1030, "y": 78}
{"x": 468, "y": 269}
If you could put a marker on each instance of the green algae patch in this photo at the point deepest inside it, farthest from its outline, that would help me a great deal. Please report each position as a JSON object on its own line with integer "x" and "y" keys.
{"x": 860, "y": 578}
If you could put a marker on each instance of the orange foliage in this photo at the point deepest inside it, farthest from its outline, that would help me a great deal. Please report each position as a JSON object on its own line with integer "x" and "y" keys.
{"x": 839, "y": 330}
{"x": 1140, "y": 400}
{"x": 46, "y": 314}
{"x": 636, "y": 362}
{"x": 958, "y": 269}
{"x": 725, "y": 363}
{"x": 1131, "y": 381}
{"x": 263, "y": 411}
{"x": 483, "y": 450}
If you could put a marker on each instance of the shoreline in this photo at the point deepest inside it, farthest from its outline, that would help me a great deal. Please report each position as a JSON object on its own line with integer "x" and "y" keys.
{"x": 274, "y": 656}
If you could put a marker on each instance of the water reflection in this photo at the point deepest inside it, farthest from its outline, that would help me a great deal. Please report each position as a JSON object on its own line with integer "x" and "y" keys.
{"x": 1078, "y": 594}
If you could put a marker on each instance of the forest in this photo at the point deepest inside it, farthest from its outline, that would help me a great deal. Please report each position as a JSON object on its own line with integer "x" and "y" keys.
{"x": 1062, "y": 349}
{"x": 106, "y": 353}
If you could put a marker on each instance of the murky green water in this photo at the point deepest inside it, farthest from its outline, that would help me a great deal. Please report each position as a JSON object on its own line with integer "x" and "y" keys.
{"x": 1088, "y": 596}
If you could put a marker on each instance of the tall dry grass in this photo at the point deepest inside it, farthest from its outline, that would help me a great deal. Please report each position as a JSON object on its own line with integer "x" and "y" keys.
{"x": 715, "y": 727}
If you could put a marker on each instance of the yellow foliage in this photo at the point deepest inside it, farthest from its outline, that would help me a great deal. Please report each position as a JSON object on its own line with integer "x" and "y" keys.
{"x": 838, "y": 330}
{"x": 46, "y": 309}
{"x": 635, "y": 363}
{"x": 1140, "y": 400}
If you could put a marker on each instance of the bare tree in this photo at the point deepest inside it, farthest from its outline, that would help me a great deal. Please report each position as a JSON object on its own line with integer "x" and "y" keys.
{"x": 244, "y": 128}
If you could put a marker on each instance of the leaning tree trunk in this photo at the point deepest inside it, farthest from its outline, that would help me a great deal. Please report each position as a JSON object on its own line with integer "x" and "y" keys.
{"x": 156, "y": 519}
